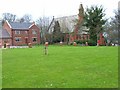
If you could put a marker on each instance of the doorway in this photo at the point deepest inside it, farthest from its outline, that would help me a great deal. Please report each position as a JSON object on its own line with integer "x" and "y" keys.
{"x": 26, "y": 41}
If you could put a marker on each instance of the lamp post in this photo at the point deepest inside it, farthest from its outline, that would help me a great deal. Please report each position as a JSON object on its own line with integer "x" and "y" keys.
{"x": 46, "y": 48}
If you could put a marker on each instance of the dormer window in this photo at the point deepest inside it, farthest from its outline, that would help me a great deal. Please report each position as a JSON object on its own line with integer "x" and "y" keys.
{"x": 17, "y": 32}
{"x": 34, "y": 32}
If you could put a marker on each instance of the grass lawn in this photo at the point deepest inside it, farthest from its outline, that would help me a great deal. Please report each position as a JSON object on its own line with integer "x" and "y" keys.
{"x": 63, "y": 67}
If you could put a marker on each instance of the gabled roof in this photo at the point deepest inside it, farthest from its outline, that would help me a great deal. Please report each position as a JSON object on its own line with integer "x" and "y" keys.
{"x": 67, "y": 24}
{"x": 4, "y": 34}
{"x": 20, "y": 25}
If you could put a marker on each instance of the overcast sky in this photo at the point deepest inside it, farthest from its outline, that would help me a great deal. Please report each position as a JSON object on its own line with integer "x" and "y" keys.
{"x": 57, "y": 8}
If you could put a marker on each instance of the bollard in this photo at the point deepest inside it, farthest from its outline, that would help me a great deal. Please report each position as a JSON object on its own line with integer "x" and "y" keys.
{"x": 61, "y": 43}
{"x": 46, "y": 43}
{"x": 74, "y": 43}
{"x": 29, "y": 45}
{"x": 8, "y": 45}
{"x": 46, "y": 48}
{"x": 86, "y": 43}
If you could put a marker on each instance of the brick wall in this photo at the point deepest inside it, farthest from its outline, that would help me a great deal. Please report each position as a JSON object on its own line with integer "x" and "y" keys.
{"x": 26, "y": 36}
{"x": 7, "y": 27}
{"x": 36, "y": 29}
{"x": 8, "y": 41}
{"x": 9, "y": 30}
{"x": 23, "y": 35}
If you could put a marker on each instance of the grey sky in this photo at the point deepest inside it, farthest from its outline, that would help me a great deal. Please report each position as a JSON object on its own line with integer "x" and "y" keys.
{"x": 57, "y": 8}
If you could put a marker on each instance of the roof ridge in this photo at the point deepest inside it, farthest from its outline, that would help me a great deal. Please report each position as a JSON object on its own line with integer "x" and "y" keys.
{"x": 22, "y": 26}
{"x": 21, "y": 22}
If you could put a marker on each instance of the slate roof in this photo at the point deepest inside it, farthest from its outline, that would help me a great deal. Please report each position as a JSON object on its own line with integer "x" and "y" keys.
{"x": 21, "y": 26}
{"x": 67, "y": 24}
{"x": 4, "y": 34}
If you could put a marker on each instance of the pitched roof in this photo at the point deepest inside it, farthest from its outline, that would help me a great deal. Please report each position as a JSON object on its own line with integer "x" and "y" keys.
{"x": 66, "y": 22}
{"x": 20, "y": 25}
{"x": 4, "y": 33}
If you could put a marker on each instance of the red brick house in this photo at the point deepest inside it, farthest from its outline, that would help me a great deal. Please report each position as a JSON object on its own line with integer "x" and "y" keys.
{"x": 4, "y": 37}
{"x": 20, "y": 33}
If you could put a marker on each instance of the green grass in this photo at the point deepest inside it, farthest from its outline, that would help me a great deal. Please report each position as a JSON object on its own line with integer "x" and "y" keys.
{"x": 63, "y": 67}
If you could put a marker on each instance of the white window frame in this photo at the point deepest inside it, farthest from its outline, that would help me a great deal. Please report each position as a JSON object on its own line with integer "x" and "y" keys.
{"x": 17, "y": 32}
{"x": 19, "y": 39}
{"x": 34, "y": 38}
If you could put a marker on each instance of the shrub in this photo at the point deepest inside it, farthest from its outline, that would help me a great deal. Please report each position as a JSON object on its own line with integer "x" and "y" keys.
{"x": 92, "y": 43}
{"x": 81, "y": 41}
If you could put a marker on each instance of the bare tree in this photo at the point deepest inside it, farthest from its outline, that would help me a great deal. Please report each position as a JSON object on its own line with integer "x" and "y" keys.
{"x": 27, "y": 18}
{"x": 8, "y": 16}
{"x": 111, "y": 29}
{"x": 21, "y": 20}
{"x": 0, "y": 23}
{"x": 43, "y": 24}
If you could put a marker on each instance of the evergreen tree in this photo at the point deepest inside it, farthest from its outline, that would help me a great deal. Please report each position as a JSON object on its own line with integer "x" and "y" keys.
{"x": 57, "y": 33}
{"x": 94, "y": 21}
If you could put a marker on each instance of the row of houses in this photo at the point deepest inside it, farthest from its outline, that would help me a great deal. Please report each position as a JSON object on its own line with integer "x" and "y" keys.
{"x": 23, "y": 33}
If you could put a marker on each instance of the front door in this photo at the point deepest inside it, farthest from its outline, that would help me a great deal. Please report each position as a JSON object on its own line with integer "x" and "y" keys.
{"x": 26, "y": 41}
{"x": 5, "y": 44}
